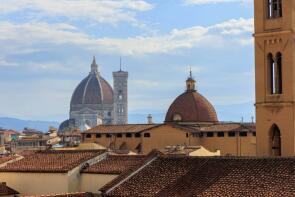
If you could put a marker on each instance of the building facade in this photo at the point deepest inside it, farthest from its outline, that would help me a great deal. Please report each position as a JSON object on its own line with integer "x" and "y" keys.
{"x": 94, "y": 101}
{"x": 275, "y": 77}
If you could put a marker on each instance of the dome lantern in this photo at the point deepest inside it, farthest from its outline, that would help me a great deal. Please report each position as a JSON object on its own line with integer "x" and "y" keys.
{"x": 94, "y": 67}
{"x": 190, "y": 83}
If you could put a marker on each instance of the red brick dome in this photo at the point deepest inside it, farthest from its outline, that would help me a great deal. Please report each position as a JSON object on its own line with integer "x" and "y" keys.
{"x": 191, "y": 107}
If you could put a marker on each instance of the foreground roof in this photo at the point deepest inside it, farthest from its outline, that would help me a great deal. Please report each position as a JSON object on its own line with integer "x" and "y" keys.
{"x": 209, "y": 176}
{"x": 77, "y": 194}
{"x": 6, "y": 158}
{"x": 5, "y": 190}
{"x": 51, "y": 161}
{"x": 115, "y": 164}
{"x": 128, "y": 128}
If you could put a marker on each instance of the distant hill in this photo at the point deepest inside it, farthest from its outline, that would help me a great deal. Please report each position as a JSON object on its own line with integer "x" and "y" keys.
{"x": 17, "y": 124}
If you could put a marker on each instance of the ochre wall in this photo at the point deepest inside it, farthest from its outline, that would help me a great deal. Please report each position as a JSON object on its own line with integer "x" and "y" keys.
{"x": 235, "y": 146}
{"x": 93, "y": 182}
{"x": 36, "y": 183}
{"x": 163, "y": 136}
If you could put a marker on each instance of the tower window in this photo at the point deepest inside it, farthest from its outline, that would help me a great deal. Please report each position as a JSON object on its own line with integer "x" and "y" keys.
{"x": 274, "y": 8}
{"x": 275, "y": 74}
{"x": 147, "y": 135}
{"x": 210, "y": 134}
{"x": 220, "y": 134}
{"x": 98, "y": 135}
{"x": 88, "y": 135}
{"x": 128, "y": 135}
{"x": 231, "y": 134}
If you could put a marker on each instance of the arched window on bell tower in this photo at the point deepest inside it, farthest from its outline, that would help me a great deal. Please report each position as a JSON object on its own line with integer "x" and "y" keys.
{"x": 279, "y": 80}
{"x": 274, "y": 8}
{"x": 275, "y": 141}
{"x": 275, "y": 81}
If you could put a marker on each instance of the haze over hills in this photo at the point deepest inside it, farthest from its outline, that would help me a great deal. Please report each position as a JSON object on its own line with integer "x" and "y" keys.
{"x": 19, "y": 124}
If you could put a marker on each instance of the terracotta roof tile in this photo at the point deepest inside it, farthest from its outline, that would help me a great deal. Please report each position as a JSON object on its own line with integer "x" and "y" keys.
{"x": 129, "y": 128}
{"x": 4, "y": 159}
{"x": 51, "y": 161}
{"x": 77, "y": 194}
{"x": 212, "y": 176}
{"x": 5, "y": 190}
{"x": 115, "y": 164}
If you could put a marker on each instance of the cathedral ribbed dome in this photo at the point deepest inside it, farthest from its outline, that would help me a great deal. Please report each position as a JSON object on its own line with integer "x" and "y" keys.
{"x": 93, "y": 89}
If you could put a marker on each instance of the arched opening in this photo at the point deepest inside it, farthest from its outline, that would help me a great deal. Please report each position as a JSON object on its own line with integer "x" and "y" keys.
{"x": 278, "y": 76}
{"x": 275, "y": 78}
{"x": 275, "y": 141}
{"x": 274, "y": 8}
{"x": 271, "y": 71}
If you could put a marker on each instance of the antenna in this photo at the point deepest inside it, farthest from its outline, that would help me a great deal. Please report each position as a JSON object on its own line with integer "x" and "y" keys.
{"x": 190, "y": 72}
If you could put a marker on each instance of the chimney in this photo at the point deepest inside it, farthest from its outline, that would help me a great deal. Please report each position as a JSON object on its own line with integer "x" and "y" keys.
{"x": 150, "y": 119}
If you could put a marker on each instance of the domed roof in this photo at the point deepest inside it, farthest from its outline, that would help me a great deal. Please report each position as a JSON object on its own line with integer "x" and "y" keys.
{"x": 191, "y": 106}
{"x": 93, "y": 89}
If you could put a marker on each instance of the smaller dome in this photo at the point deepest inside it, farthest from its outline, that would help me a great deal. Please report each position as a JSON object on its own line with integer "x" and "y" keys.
{"x": 191, "y": 106}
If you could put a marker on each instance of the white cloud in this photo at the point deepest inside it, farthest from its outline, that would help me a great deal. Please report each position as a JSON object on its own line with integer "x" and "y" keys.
{"x": 103, "y": 11}
{"x": 35, "y": 36}
{"x": 199, "y": 2}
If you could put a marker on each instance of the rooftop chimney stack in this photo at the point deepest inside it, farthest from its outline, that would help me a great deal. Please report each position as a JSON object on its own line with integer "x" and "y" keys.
{"x": 150, "y": 119}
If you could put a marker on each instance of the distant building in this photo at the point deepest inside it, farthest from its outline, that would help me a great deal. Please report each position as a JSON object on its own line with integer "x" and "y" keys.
{"x": 191, "y": 120}
{"x": 94, "y": 101}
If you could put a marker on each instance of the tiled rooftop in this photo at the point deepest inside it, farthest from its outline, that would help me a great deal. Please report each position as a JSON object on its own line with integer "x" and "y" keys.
{"x": 192, "y": 176}
{"x": 6, "y": 158}
{"x": 115, "y": 164}
{"x": 129, "y": 128}
{"x": 51, "y": 161}
{"x": 5, "y": 190}
{"x": 78, "y": 194}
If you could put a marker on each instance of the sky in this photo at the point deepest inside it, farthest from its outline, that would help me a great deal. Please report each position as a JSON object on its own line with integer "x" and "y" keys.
{"x": 47, "y": 48}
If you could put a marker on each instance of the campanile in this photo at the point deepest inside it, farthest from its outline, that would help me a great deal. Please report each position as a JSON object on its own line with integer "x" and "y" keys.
{"x": 275, "y": 77}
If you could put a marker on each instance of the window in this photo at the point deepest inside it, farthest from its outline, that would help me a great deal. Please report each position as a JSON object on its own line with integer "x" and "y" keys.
{"x": 147, "y": 135}
{"x": 243, "y": 134}
{"x": 137, "y": 135}
{"x": 109, "y": 135}
{"x": 220, "y": 134}
{"x": 98, "y": 135}
{"x": 128, "y": 135}
{"x": 254, "y": 133}
{"x": 187, "y": 135}
{"x": 210, "y": 134}
{"x": 177, "y": 117}
{"x": 275, "y": 74}
{"x": 274, "y": 8}
{"x": 231, "y": 134}
{"x": 119, "y": 135}
{"x": 201, "y": 134}
{"x": 88, "y": 135}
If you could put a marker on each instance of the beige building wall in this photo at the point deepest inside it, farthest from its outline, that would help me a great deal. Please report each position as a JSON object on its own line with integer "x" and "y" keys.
{"x": 36, "y": 183}
{"x": 163, "y": 136}
{"x": 234, "y": 146}
{"x": 93, "y": 182}
{"x": 273, "y": 35}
